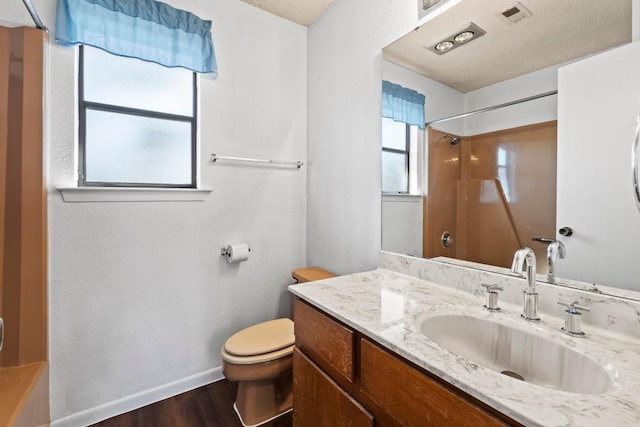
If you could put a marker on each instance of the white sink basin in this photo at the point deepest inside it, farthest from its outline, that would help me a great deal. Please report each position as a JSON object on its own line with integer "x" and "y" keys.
{"x": 508, "y": 349}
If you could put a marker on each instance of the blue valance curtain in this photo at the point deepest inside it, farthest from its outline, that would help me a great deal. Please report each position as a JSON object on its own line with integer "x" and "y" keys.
{"x": 144, "y": 29}
{"x": 402, "y": 104}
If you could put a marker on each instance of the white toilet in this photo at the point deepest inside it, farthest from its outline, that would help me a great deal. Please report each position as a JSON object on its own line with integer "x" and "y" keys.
{"x": 260, "y": 359}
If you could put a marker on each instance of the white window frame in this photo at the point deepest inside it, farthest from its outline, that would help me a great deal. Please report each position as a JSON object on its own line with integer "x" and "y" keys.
{"x": 91, "y": 194}
{"x": 84, "y": 105}
{"x": 415, "y": 164}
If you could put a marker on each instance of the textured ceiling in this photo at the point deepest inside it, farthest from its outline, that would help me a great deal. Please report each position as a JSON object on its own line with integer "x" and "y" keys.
{"x": 303, "y": 12}
{"x": 557, "y": 32}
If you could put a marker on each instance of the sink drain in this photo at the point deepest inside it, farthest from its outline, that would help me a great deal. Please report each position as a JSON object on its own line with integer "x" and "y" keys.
{"x": 513, "y": 375}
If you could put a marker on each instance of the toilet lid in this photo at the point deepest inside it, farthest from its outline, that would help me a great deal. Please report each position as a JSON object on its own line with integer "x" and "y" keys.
{"x": 261, "y": 338}
{"x": 259, "y": 358}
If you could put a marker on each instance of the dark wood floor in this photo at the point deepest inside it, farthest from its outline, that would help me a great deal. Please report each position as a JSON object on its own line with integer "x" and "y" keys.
{"x": 208, "y": 406}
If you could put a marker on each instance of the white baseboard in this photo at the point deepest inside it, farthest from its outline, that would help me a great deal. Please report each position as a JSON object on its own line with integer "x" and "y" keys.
{"x": 138, "y": 400}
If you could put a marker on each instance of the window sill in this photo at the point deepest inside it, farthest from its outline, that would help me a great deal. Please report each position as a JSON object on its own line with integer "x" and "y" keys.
{"x": 397, "y": 197}
{"x": 114, "y": 194}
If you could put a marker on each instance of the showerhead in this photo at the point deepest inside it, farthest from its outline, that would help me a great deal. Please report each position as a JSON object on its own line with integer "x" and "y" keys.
{"x": 454, "y": 139}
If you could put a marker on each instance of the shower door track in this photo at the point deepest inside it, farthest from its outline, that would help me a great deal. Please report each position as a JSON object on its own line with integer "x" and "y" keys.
{"x": 495, "y": 107}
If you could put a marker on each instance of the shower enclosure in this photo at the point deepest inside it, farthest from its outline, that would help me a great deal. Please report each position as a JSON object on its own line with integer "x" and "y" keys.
{"x": 491, "y": 193}
{"x": 23, "y": 225}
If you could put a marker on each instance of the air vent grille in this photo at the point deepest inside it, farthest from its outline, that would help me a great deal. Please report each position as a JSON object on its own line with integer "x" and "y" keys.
{"x": 510, "y": 12}
{"x": 514, "y": 14}
{"x": 426, "y": 4}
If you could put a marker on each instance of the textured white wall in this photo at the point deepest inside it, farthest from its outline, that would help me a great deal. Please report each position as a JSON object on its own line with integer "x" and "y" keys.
{"x": 344, "y": 89}
{"x": 402, "y": 224}
{"x": 14, "y": 14}
{"x": 139, "y": 294}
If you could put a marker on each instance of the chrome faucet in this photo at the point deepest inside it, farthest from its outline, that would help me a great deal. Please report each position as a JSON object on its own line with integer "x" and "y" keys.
{"x": 525, "y": 257}
{"x": 555, "y": 250}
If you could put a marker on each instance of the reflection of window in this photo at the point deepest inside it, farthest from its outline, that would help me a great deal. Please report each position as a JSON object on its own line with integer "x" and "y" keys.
{"x": 137, "y": 122}
{"x": 503, "y": 173}
{"x": 399, "y": 157}
{"x": 395, "y": 156}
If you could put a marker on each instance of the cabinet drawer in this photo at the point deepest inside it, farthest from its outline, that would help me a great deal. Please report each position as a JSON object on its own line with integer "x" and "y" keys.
{"x": 319, "y": 402}
{"x": 412, "y": 398}
{"x": 324, "y": 340}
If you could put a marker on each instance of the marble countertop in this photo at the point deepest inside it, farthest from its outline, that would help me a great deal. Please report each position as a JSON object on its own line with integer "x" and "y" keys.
{"x": 389, "y": 307}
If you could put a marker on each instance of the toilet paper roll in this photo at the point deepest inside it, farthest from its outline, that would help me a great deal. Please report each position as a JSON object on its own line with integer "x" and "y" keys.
{"x": 237, "y": 253}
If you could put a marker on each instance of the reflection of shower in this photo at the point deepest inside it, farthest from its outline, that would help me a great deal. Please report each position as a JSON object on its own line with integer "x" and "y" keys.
{"x": 454, "y": 139}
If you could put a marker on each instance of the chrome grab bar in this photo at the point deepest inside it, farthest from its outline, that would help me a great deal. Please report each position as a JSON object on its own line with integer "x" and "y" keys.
{"x": 634, "y": 166}
{"x": 1, "y": 332}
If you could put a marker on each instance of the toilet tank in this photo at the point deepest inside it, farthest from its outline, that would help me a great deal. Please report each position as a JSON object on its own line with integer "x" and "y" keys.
{"x": 309, "y": 274}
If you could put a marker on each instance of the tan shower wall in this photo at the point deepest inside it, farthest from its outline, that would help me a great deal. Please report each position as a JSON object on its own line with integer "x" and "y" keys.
{"x": 23, "y": 239}
{"x": 23, "y": 243}
{"x": 441, "y": 205}
{"x": 528, "y": 178}
{"x": 485, "y": 225}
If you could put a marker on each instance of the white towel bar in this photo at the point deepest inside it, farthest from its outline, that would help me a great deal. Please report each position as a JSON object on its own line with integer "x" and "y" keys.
{"x": 215, "y": 157}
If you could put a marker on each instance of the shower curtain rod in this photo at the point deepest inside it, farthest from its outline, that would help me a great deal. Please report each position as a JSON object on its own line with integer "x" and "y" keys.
{"x": 495, "y": 107}
{"x": 34, "y": 15}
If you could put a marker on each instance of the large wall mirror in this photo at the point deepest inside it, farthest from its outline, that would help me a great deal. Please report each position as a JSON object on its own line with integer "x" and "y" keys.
{"x": 545, "y": 157}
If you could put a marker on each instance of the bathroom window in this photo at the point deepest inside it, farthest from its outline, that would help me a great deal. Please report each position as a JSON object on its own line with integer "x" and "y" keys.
{"x": 137, "y": 123}
{"x": 399, "y": 157}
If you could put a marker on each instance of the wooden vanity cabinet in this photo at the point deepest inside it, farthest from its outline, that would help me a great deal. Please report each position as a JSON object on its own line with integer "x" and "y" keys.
{"x": 320, "y": 402}
{"x": 343, "y": 378}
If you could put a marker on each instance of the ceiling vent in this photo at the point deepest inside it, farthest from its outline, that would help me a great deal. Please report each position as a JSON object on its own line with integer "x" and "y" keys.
{"x": 426, "y": 4}
{"x": 514, "y": 14}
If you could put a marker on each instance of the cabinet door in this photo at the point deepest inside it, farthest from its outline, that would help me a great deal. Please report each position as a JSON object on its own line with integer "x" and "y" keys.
{"x": 319, "y": 402}
{"x": 412, "y": 398}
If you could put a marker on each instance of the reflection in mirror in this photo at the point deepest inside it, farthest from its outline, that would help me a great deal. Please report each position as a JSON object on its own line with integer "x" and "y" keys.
{"x": 494, "y": 181}
{"x": 501, "y": 189}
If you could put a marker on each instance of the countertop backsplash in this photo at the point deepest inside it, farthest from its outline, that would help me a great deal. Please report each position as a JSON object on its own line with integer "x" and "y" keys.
{"x": 613, "y": 313}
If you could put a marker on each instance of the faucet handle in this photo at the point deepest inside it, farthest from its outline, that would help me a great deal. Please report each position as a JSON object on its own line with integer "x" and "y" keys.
{"x": 492, "y": 296}
{"x": 492, "y": 288}
{"x": 573, "y": 306}
{"x": 573, "y": 318}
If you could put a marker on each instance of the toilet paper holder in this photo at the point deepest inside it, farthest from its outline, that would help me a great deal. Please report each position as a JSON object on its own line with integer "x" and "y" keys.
{"x": 224, "y": 251}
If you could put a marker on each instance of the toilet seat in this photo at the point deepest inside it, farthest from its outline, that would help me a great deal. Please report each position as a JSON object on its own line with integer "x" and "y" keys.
{"x": 260, "y": 343}
{"x": 258, "y": 358}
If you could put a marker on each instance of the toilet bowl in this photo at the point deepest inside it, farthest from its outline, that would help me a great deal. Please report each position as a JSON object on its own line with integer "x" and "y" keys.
{"x": 260, "y": 359}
